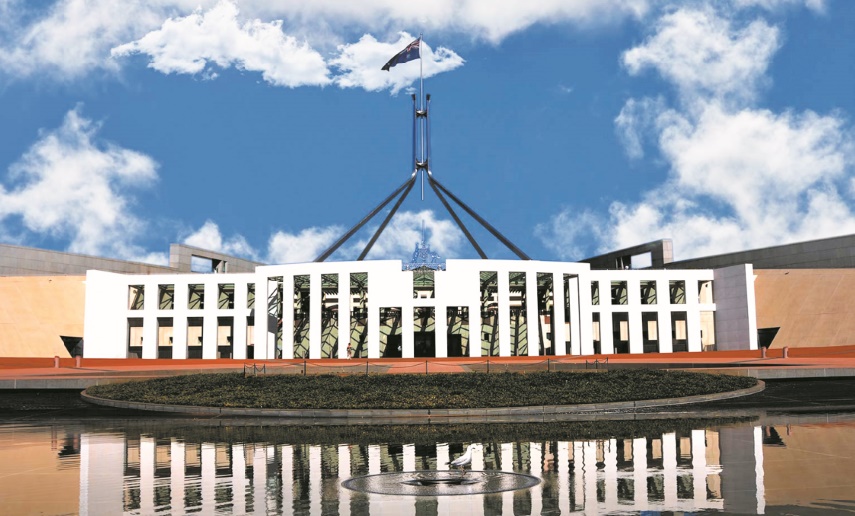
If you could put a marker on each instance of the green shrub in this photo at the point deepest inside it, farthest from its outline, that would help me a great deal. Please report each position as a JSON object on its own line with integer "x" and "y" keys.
{"x": 435, "y": 391}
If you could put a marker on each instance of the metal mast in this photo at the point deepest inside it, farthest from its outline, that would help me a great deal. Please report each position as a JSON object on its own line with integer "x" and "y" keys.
{"x": 422, "y": 165}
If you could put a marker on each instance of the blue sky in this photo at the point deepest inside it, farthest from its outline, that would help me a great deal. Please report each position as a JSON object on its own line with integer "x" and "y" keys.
{"x": 266, "y": 129}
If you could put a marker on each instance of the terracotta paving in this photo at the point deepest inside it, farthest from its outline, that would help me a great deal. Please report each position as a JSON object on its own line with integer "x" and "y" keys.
{"x": 841, "y": 358}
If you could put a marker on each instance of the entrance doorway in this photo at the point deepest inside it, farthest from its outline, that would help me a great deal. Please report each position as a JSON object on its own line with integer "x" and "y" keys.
{"x": 424, "y": 344}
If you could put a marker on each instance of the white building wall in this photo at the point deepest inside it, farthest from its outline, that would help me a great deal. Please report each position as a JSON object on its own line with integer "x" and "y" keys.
{"x": 107, "y": 313}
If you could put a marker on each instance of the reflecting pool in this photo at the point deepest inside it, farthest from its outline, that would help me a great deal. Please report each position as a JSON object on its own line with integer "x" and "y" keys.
{"x": 786, "y": 464}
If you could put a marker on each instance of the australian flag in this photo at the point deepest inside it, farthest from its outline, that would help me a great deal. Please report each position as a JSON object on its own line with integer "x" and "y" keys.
{"x": 408, "y": 54}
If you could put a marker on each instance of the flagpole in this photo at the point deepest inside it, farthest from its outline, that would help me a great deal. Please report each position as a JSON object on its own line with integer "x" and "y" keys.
{"x": 422, "y": 106}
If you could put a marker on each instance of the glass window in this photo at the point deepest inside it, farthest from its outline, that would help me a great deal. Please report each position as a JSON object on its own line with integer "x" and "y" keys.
{"x": 136, "y": 297}
{"x": 619, "y": 294}
{"x": 677, "y": 292}
{"x": 196, "y": 297}
{"x": 166, "y": 297}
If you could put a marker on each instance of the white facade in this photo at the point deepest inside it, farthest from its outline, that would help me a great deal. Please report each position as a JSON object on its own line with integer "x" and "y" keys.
{"x": 491, "y": 307}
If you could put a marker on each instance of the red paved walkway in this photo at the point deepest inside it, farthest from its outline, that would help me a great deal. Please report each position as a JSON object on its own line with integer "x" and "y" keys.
{"x": 41, "y": 372}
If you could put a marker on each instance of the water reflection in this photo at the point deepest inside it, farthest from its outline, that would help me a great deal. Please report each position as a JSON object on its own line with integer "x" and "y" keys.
{"x": 734, "y": 469}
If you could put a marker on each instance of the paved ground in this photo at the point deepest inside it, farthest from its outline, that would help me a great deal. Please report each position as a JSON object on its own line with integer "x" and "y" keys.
{"x": 815, "y": 378}
{"x": 43, "y": 373}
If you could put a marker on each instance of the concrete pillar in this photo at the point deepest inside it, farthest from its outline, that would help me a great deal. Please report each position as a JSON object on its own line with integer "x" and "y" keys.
{"x": 559, "y": 339}
{"x": 503, "y": 280}
{"x": 532, "y": 315}
{"x": 315, "y": 483}
{"x": 317, "y": 302}
{"x": 441, "y": 331}
{"x": 610, "y": 474}
{"x": 639, "y": 468}
{"x": 669, "y": 468}
{"x": 409, "y": 457}
{"x": 209, "y": 477}
{"x": 287, "y": 453}
{"x": 699, "y": 466}
{"x": 563, "y": 459}
{"x": 239, "y": 481}
{"x": 343, "y": 474}
{"x": 147, "y": 466}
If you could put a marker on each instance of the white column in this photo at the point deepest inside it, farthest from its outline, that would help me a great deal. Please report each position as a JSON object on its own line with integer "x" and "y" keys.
{"x": 669, "y": 469}
{"x": 666, "y": 343}
{"x": 373, "y": 323}
{"x": 589, "y": 460}
{"x": 442, "y": 457}
{"x": 317, "y": 302}
{"x": 563, "y": 459}
{"x": 344, "y": 308}
{"x": 693, "y": 315}
{"x": 315, "y": 483}
{"x": 287, "y": 452}
{"x": 176, "y": 475}
{"x": 209, "y": 321}
{"x": 262, "y": 336}
{"x": 179, "y": 334}
{"x": 287, "y": 316}
{"x": 410, "y": 457}
{"x": 636, "y": 333}
{"x": 343, "y": 474}
{"x": 259, "y": 480}
{"x": 239, "y": 315}
{"x": 373, "y": 459}
{"x": 441, "y": 330}
{"x": 147, "y": 458}
{"x": 444, "y": 504}
{"x": 209, "y": 477}
{"x": 578, "y": 333}
{"x": 239, "y": 482}
{"x": 579, "y": 474}
{"x": 532, "y": 315}
{"x": 373, "y": 469}
{"x": 559, "y": 339}
{"x": 610, "y": 474}
{"x": 475, "y": 330}
{"x": 639, "y": 469}
{"x": 607, "y": 345}
{"x": 478, "y": 459}
{"x": 102, "y": 471}
{"x": 506, "y": 455}
{"x": 149, "y": 333}
{"x": 758, "y": 470}
{"x": 699, "y": 466}
{"x": 503, "y": 294}
{"x": 536, "y": 469}
{"x": 407, "y": 329}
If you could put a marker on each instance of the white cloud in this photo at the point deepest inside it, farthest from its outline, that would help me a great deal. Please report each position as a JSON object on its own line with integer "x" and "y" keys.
{"x": 703, "y": 54}
{"x": 189, "y": 44}
{"x": 69, "y": 185}
{"x": 635, "y": 119}
{"x": 209, "y": 237}
{"x": 72, "y": 38}
{"x": 773, "y": 5}
{"x": 279, "y": 39}
{"x": 395, "y": 243}
{"x": 565, "y": 233}
{"x": 740, "y": 176}
{"x": 305, "y": 246}
{"x": 361, "y": 62}
{"x": 404, "y": 231}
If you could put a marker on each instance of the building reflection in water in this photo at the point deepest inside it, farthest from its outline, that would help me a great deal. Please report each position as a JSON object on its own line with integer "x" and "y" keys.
{"x": 718, "y": 470}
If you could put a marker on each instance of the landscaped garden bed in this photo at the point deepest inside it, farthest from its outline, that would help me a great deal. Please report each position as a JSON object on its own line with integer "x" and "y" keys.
{"x": 409, "y": 391}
